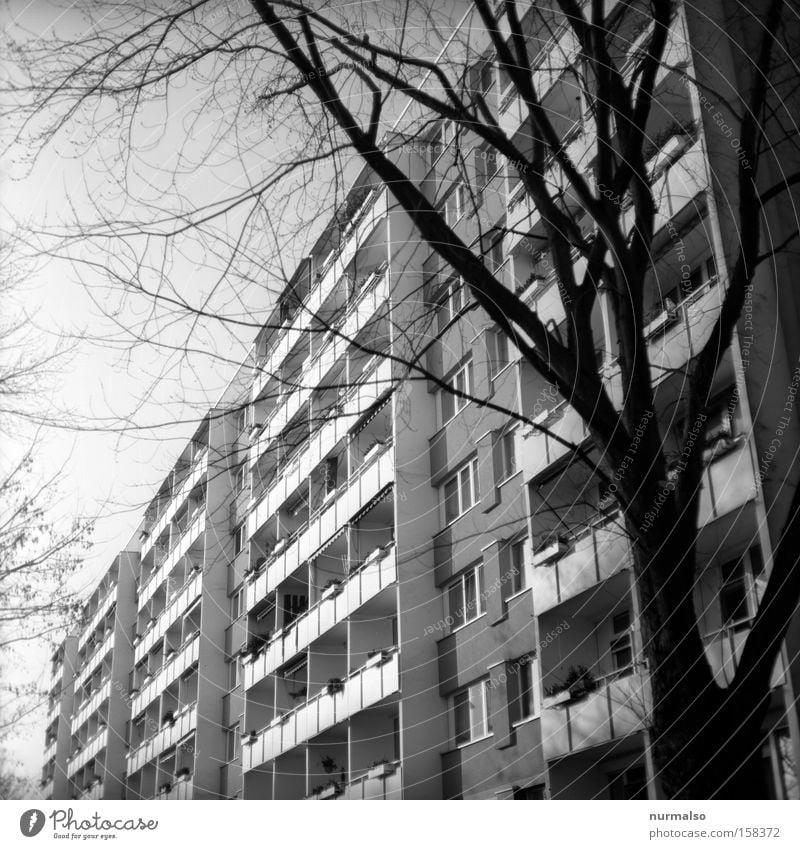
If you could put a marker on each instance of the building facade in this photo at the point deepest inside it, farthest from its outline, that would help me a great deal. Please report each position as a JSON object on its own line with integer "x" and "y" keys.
{"x": 353, "y": 584}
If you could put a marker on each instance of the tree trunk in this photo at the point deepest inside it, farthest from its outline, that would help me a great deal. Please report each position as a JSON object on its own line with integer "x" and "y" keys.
{"x": 701, "y": 747}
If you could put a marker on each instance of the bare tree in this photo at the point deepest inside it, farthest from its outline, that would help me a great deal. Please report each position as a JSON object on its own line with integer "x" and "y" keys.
{"x": 313, "y": 76}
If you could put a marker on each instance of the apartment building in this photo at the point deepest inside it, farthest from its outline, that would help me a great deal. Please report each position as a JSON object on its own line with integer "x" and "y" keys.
{"x": 352, "y": 584}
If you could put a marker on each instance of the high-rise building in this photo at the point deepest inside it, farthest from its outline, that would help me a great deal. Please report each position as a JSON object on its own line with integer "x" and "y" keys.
{"x": 358, "y": 584}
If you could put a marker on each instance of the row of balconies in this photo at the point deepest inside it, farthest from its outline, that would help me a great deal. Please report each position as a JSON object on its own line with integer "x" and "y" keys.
{"x": 184, "y": 722}
{"x": 104, "y": 605}
{"x": 92, "y": 704}
{"x": 171, "y": 557}
{"x": 176, "y": 607}
{"x": 338, "y": 602}
{"x": 93, "y": 661}
{"x": 156, "y": 683}
{"x": 363, "y": 485}
{"x": 88, "y": 751}
{"x": 198, "y": 470}
{"x": 327, "y": 277}
{"x": 322, "y": 441}
{"x": 311, "y": 376}
{"x": 376, "y": 680}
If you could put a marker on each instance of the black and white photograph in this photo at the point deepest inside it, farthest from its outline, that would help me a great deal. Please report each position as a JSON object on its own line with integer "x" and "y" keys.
{"x": 400, "y": 400}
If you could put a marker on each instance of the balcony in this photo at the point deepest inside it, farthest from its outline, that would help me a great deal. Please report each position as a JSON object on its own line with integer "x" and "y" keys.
{"x": 724, "y": 648}
{"x": 185, "y": 722}
{"x": 322, "y": 441}
{"x": 291, "y": 400}
{"x": 102, "y": 609}
{"x": 198, "y": 469}
{"x": 184, "y": 543}
{"x": 175, "y": 608}
{"x": 598, "y": 553}
{"x": 47, "y": 788}
{"x": 615, "y": 709}
{"x": 90, "y": 664}
{"x": 92, "y": 704}
{"x": 372, "y": 212}
{"x": 180, "y": 790}
{"x": 50, "y": 750}
{"x": 363, "y": 485}
{"x": 369, "y": 685}
{"x": 364, "y": 584}
{"x": 189, "y": 654}
{"x": 94, "y": 792}
{"x": 89, "y": 751}
{"x": 541, "y": 449}
{"x": 384, "y": 781}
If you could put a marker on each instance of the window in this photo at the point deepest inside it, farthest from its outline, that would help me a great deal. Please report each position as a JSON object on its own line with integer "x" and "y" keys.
{"x": 516, "y": 571}
{"x": 733, "y": 594}
{"x": 621, "y": 648}
{"x": 240, "y": 478}
{"x": 628, "y": 784}
{"x": 239, "y": 539}
{"x": 461, "y": 381}
{"x": 331, "y": 473}
{"x": 241, "y": 419}
{"x": 470, "y": 711}
{"x": 455, "y": 203}
{"x": 508, "y": 454}
{"x": 536, "y": 792}
{"x": 236, "y": 605}
{"x": 465, "y": 597}
{"x": 460, "y": 492}
{"x": 441, "y": 139}
{"x": 232, "y": 742}
{"x": 500, "y": 353}
{"x": 451, "y": 300}
{"x": 520, "y": 689}
{"x": 487, "y": 166}
{"x": 483, "y": 80}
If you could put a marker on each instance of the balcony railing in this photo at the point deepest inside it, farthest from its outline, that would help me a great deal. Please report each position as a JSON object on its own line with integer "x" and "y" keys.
{"x": 599, "y": 552}
{"x": 50, "y": 749}
{"x": 369, "y": 685}
{"x": 185, "y": 722}
{"x": 89, "y": 751}
{"x": 90, "y": 664}
{"x": 361, "y": 585}
{"x": 92, "y": 704}
{"x": 179, "y": 790}
{"x": 363, "y": 485}
{"x": 617, "y": 707}
{"x": 188, "y": 654}
{"x": 369, "y": 300}
{"x": 93, "y": 793}
{"x": 198, "y": 468}
{"x": 724, "y": 648}
{"x": 321, "y": 441}
{"x": 102, "y": 609}
{"x": 185, "y": 596}
{"x": 172, "y": 556}
{"x": 384, "y": 781}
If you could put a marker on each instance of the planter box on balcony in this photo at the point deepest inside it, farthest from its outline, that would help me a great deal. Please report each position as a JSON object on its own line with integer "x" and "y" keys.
{"x": 332, "y": 590}
{"x": 556, "y": 699}
{"x": 381, "y": 770}
{"x": 661, "y": 322}
{"x": 551, "y": 553}
{"x": 330, "y": 791}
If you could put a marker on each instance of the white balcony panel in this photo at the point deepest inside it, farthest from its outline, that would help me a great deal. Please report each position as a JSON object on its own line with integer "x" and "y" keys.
{"x": 180, "y": 791}
{"x": 186, "y": 541}
{"x": 293, "y": 399}
{"x": 179, "y": 604}
{"x": 50, "y": 750}
{"x": 90, "y": 664}
{"x": 330, "y": 275}
{"x": 170, "y": 672}
{"x": 320, "y": 444}
{"x": 616, "y": 708}
{"x": 724, "y": 649}
{"x": 100, "y": 613}
{"x": 383, "y": 787}
{"x": 197, "y": 472}
{"x": 355, "y": 591}
{"x": 92, "y": 748}
{"x": 364, "y": 688}
{"x": 185, "y": 722}
{"x": 92, "y": 705}
{"x": 363, "y": 485}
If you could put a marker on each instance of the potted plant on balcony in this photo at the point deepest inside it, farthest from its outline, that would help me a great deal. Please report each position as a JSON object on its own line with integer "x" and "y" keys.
{"x": 335, "y": 685}
{"x": 298, "y": 694}
{"x": 250, "y": 737}
{"x": 251, "y": 649}
{"x": 165, "y": 787}
{"x": 168, "y": 719}
{"x": 331, "y": 789}
{"x": 182, "y": 774}
{"x": 550, "y": 549}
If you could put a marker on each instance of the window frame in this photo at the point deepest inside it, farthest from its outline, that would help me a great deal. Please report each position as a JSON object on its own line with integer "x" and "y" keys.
{"x": 517, "y": 583}
{"x": 239, "y": 535}
{"x": 475, "y": 715}
{"x": 621, "y": 641}
{"x": 519, "y": 695}
{"x": 474, "y": 574}
{"x": 470, "y": 467}
{"x": 463, "y": 370}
